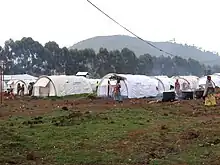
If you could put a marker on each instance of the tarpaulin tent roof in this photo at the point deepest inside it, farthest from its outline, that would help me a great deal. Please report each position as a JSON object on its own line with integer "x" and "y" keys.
{"x": 191, "y": 80}
{"x": 215, "y": 79}
{"x": 19, "y": 77}
{"x": 63, "y": 85}
{"x": 164, "y": 83}
{"x": 132, "y": 86}
{"x": 93, "y": 83}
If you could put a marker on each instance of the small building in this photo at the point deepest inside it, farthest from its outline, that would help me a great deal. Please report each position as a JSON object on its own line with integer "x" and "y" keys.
{"x": 84, "y": 74}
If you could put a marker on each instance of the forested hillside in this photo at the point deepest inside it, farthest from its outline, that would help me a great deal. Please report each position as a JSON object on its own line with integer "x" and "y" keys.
{"x": 118, "y": 42}
{"x": 29, "y": 56}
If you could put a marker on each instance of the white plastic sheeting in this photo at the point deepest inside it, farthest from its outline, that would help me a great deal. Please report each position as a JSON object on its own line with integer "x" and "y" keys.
{"x": 217, "y": 74}
{"x": 190, "y": 81}
{"x": 215, "y": 79}
{"x": 61, "y": 86}
{"x": 134, "y": 86}
{"x": 193, "y": 81}
{"x": 14, "y": 83}
{"x": 13, "y": 80}
{"x": 93, "y": 83}
{"x": 164, "y": 83}
{"x": 4, "y": 86}
{"x": 161, "y": 76}
{"x": 19, "y": 77}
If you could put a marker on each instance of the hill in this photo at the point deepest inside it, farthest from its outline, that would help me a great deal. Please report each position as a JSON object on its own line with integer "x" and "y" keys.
{"x": 118, "y": 42}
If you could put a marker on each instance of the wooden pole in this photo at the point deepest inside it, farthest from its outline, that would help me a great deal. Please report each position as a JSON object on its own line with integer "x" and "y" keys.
{"x": 1, "y": 84}
{"x": 2, "y": 79}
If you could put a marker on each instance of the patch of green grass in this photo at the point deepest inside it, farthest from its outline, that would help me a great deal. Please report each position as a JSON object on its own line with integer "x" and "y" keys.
{"x": 76, "y": 96}
{"x": 13, "y": 146}
{"x": 119, "y": 136}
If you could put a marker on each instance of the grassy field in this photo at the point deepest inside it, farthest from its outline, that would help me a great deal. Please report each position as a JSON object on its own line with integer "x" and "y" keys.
{"x": 155, "y": 135}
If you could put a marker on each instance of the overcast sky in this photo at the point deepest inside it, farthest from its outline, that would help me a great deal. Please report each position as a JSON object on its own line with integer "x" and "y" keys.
{"x": 70, "y": 21}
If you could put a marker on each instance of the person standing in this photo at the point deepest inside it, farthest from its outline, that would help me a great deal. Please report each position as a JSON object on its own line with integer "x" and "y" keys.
{"x": 11, "y": 94}
{"x": 108, "y": 90}
{"x": 18, "y": 88}
{"x": 22, "y": 90}
{"x": 97, "y": 85}
{"x": 117, "y": 92}
{"x": 30, "y": 89}
{"x": 208, "y": 94}
{"x": 177, "y": 87}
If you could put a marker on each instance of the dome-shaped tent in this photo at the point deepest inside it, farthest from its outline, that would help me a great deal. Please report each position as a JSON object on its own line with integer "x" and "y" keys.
{"x": 187, "y": 82}
{"x": 164, "y": 83}
{"x": 14, "y": 83}
{"x": 132, "y": 86}
{"x": 215, "y": 79}
{"x": 4, "y": 86}
{"x": 217, "y": 74}
{"x": 94, "y": 83}
{"x": 61, "y": 86}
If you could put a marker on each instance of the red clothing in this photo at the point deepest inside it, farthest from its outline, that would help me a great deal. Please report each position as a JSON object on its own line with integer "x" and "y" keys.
{"x": 177, "y": 85}
{"x": 117, "y": 88}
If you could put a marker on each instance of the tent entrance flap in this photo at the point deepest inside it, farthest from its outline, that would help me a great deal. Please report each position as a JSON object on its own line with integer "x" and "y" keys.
{"x": 43, "y": 82}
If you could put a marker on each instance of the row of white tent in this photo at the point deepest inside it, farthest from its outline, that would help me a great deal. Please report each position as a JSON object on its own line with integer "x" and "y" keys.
{"x": 133, "y": 86}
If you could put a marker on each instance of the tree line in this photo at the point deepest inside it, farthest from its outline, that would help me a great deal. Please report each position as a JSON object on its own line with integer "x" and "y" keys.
{"x": 29, "y": 56}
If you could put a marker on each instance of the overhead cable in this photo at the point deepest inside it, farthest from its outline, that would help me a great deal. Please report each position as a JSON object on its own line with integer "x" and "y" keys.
{"x": 152, "y": 45}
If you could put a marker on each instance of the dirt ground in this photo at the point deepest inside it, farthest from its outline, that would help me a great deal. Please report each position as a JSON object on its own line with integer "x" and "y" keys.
{"x": 33, "y": 107}
{"x": 168, "y": 132}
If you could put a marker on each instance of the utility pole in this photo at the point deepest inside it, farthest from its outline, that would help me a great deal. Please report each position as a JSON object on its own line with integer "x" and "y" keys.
{"x": 2, "y": 66}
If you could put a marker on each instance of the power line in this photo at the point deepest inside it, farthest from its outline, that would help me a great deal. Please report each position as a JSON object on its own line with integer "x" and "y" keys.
{"x": 152, "y": 45}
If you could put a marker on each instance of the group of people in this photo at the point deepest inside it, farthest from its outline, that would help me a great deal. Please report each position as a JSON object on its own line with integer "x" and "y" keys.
{"x": 208, "y": 94}
{"x": 20, "y": 90}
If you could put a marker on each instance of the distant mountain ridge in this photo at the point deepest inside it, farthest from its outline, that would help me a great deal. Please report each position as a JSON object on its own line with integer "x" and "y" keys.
{"x": 115, "y": 42}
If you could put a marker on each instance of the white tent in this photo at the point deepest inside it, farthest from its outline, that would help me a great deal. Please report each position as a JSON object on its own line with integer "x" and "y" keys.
{"x": 61, "y": 86}
{"x": 161, "y": 76}
{"x": 13, "y": 80}
{"x": 14, "y": 83}
{"x": 215, "y": 79}
{"x": 4, "y": 86}
{"x": 134, "y": 86}
{"x": 217, "y": 74}
{"x": 193, "y": 81}
{"x": 164, "y": 83}
{"x": 93, "y": 83}
{"x": 190, "y": 82}
{"x": 19, "y": 77}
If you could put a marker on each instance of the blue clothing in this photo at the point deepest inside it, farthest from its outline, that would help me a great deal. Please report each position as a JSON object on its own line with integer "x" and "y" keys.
{"x": 117, "y": 96}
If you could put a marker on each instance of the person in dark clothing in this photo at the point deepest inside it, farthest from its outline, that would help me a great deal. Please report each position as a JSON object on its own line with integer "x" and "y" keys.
{"x": 18, "y": 88}
{"x": 22, "y": 90}
{"x": 97, "y": 85}
{"x": 30, "y": 89}
{"x": 108, "y": 88}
